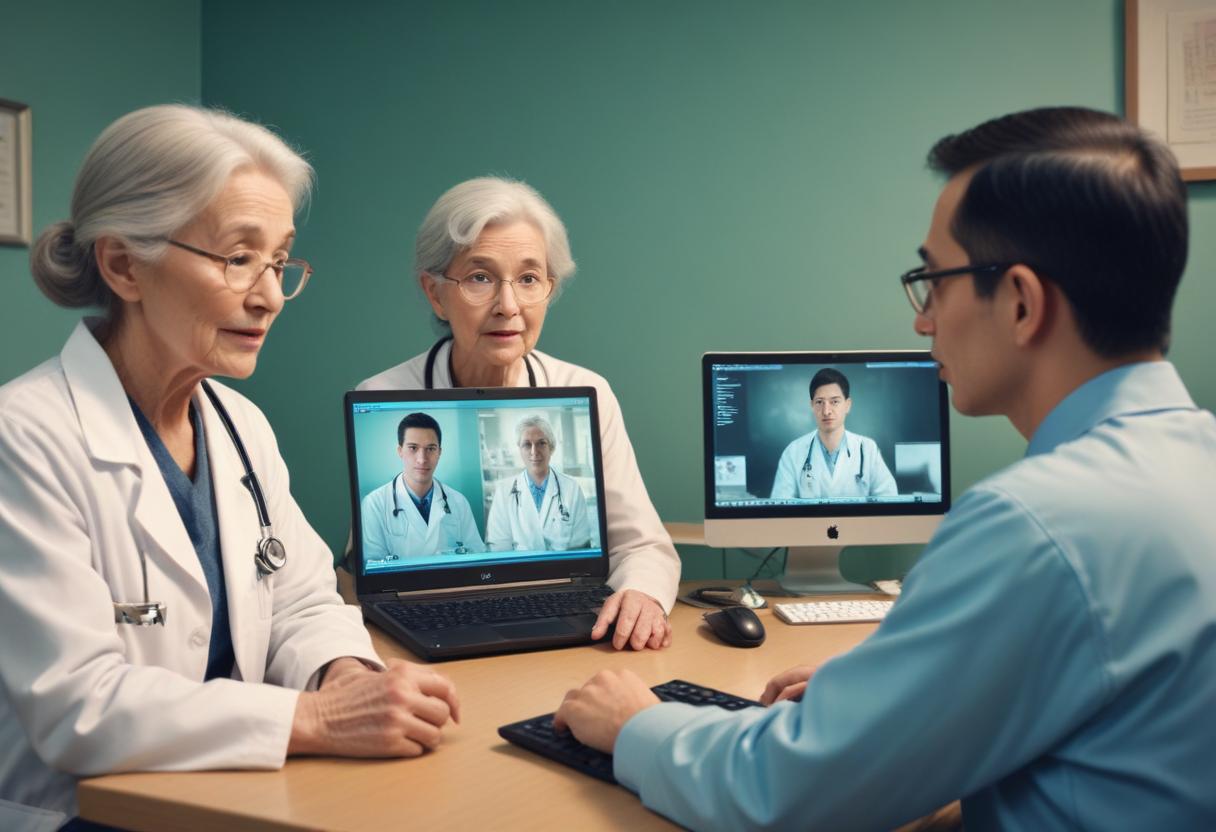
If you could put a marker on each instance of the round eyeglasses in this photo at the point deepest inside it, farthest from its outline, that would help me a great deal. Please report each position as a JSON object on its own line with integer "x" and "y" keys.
{"x": 480, "y": 288}
{"x": 243, "y": 269}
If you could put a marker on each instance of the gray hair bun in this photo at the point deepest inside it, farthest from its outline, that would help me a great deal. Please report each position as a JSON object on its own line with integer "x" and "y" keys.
{"x": 64, "y": 270}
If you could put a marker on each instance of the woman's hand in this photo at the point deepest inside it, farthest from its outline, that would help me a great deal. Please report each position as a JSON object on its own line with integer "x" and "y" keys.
{"x": 787, "y": 685}
{"x": 640, "y": 621}
{"x": 365, "y": 713}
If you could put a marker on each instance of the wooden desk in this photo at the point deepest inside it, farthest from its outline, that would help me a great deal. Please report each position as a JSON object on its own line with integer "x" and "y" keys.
{"x": 475, "y": 780}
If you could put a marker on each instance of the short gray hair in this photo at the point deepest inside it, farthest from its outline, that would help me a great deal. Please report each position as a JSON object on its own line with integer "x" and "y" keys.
{"x": 147, "y": 175}
{"x": 536, "y": 422}
{"x": 458, "y": 217}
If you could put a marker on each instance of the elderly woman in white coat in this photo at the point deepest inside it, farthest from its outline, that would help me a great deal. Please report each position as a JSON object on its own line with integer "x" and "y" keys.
{"x": 164, "y": 603}
{"x": 540, "y": 508}
{"x": 490, "y": 256}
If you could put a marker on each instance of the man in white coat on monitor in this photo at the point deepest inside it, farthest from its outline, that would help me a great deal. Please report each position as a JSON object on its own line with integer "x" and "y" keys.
{"x": 831, "y": 462}
{"x": 414, "y": 514}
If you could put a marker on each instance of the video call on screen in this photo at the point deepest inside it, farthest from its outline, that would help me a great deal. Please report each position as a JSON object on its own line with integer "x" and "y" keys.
{"x": 482, "y": 509}
{"x": 767, "y": 433}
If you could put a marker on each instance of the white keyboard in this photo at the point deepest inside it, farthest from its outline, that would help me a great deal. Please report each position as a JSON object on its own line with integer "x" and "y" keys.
{"x": 832, "y": 612}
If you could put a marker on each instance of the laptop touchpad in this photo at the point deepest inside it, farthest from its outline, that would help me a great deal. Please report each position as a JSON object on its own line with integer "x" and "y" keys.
{"x": 534, "y": 629}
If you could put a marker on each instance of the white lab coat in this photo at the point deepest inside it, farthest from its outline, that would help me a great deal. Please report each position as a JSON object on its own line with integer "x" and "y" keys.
{"x": 515, "y": 524}
{"x": 793, "y": 480}
{"x": 80, "y": 497}
{"x": 407, "y": 534}
{"x": 641, "y": 555}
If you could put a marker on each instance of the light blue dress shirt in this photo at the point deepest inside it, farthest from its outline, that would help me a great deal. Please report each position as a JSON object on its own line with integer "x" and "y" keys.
{"x": 538, "y": 491}
{"x": 1051, "y": 661}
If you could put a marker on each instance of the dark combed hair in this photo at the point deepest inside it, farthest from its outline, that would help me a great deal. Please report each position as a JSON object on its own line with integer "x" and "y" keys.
{"x": 1087, "y": 200}
{"x": 829, "y": 375}
{"x": 419, "y": 420}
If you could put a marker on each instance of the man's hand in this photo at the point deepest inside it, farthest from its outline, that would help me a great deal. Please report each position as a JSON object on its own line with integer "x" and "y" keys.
{"x": 365, "y": 713}
{"x": 788, "y": 685}
{"x": 596, "y": 712}
{"x": 640, "y": 621}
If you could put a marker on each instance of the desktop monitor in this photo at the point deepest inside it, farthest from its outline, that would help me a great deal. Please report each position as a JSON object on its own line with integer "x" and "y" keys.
{"x": 863, "y": 459}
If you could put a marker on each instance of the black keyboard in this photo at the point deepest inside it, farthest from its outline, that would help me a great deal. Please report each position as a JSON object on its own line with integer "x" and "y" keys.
{"x": 495, "y": 609}
{"x": 538, "y": 735}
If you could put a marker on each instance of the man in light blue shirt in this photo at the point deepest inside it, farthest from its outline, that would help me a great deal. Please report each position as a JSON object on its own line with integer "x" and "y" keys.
{"x": 1052, "y": 659}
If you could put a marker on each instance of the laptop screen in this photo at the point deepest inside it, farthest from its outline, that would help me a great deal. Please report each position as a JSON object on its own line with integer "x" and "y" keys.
{"x": 467, "y": 487}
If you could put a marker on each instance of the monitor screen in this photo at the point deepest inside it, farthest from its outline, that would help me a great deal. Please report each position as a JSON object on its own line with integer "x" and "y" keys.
{"x": 459, "y": 481}
{"x": 816, "y": 434}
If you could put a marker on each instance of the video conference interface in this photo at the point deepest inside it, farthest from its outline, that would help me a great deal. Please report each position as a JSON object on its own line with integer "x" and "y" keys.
{"x": 461, "y": 483}
{"x": 870, "y": 432}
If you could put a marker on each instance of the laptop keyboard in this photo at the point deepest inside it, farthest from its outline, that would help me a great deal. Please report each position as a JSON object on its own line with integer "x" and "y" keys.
{"x": 496, "y": 609}
{"x": 538, "y": 735}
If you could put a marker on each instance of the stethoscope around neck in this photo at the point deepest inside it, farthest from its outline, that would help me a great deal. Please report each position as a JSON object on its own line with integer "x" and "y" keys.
{"x": 443, "y": 494}
{"x": 429, "y": 372}
{"x": 270, "y": 555}
{"x": 808, "y": 472}
{"x": 561, "y": 505}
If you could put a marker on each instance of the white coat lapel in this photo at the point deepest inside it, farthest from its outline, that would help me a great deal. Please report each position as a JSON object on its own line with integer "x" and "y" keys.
{"x": 239, "y": 533}
{"x": 112, "y": 435}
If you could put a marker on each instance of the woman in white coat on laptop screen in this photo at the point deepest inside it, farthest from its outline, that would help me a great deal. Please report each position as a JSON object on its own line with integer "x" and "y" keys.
{"x": 540, "y": 508}
{"x": 163, "y": 601}
{"x": 490, "y": 256}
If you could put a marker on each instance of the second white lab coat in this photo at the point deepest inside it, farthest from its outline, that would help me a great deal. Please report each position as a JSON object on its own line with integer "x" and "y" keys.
{"x": 860, "y": 470}
{"x": 515, "y": 523}
{"x": 449, "y": 527}
{"x": 80, "y": 497}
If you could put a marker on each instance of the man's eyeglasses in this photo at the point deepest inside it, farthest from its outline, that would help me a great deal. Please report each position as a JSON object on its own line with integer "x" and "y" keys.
{"x": 243, "y": 269}
{"x": 919, "y": 283}
{"x": 480, "y": 288}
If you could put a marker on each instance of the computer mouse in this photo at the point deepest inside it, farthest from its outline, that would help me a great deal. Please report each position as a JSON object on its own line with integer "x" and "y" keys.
{"x": 736, "y": 626}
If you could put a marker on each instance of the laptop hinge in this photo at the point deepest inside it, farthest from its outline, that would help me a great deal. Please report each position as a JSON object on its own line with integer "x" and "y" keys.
{"x": 469, "y": 590}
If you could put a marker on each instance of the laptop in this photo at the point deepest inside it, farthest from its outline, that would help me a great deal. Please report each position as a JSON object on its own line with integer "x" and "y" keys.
{"x": 478, "y": 517}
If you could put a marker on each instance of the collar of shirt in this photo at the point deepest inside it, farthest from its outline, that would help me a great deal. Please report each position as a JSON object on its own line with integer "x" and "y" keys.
{"x": 538, "y": 491}
{"x": 424, "y": 500}
{"x": 1143, "y": 387}
{"x": 831, "y": 456}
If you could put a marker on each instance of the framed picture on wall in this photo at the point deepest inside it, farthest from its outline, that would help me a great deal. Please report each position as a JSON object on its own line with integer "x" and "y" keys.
{"x": 16, "y": 189}
{"x": 1170, "y": 84}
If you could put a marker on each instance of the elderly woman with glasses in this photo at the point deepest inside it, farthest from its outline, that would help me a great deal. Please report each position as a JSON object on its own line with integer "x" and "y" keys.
{"x": 490, "y": 257}
{"x": 164, "y": 603}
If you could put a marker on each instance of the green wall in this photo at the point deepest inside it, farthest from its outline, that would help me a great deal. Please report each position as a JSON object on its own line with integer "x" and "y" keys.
{"x": 734, "y": 176}
{"x": 79, "y": 66}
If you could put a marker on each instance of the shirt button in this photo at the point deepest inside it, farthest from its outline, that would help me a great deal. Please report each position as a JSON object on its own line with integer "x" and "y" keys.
{"x": 198, "y": 638}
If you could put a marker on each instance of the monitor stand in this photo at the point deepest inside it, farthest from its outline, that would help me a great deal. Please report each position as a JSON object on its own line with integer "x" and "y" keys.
{"x": 815, "y": 570}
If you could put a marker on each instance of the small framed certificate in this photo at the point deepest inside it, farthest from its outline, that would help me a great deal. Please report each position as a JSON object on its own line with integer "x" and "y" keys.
{"x": 16, "y": 188}
{"x": 1170, "y": 84}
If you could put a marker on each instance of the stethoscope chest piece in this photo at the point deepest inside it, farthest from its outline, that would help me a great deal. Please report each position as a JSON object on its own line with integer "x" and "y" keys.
{"x": 271, "y": 555}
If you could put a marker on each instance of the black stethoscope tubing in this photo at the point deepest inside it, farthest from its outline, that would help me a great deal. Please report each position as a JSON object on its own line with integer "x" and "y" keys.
{"x": 561, "y": 504}
{"x": 861, "y": 466}
{"x": 397, "y": 509}
{"x": 429, "y": 373}
{"x": 271, "y": 554}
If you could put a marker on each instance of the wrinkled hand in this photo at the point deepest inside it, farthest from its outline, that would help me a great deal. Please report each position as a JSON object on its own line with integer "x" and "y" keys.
{"x": 787, "y": 685}
{"x": 366, "y": 713}
{"x": 640, "y": 621}
{"x": 597, "y": 711}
